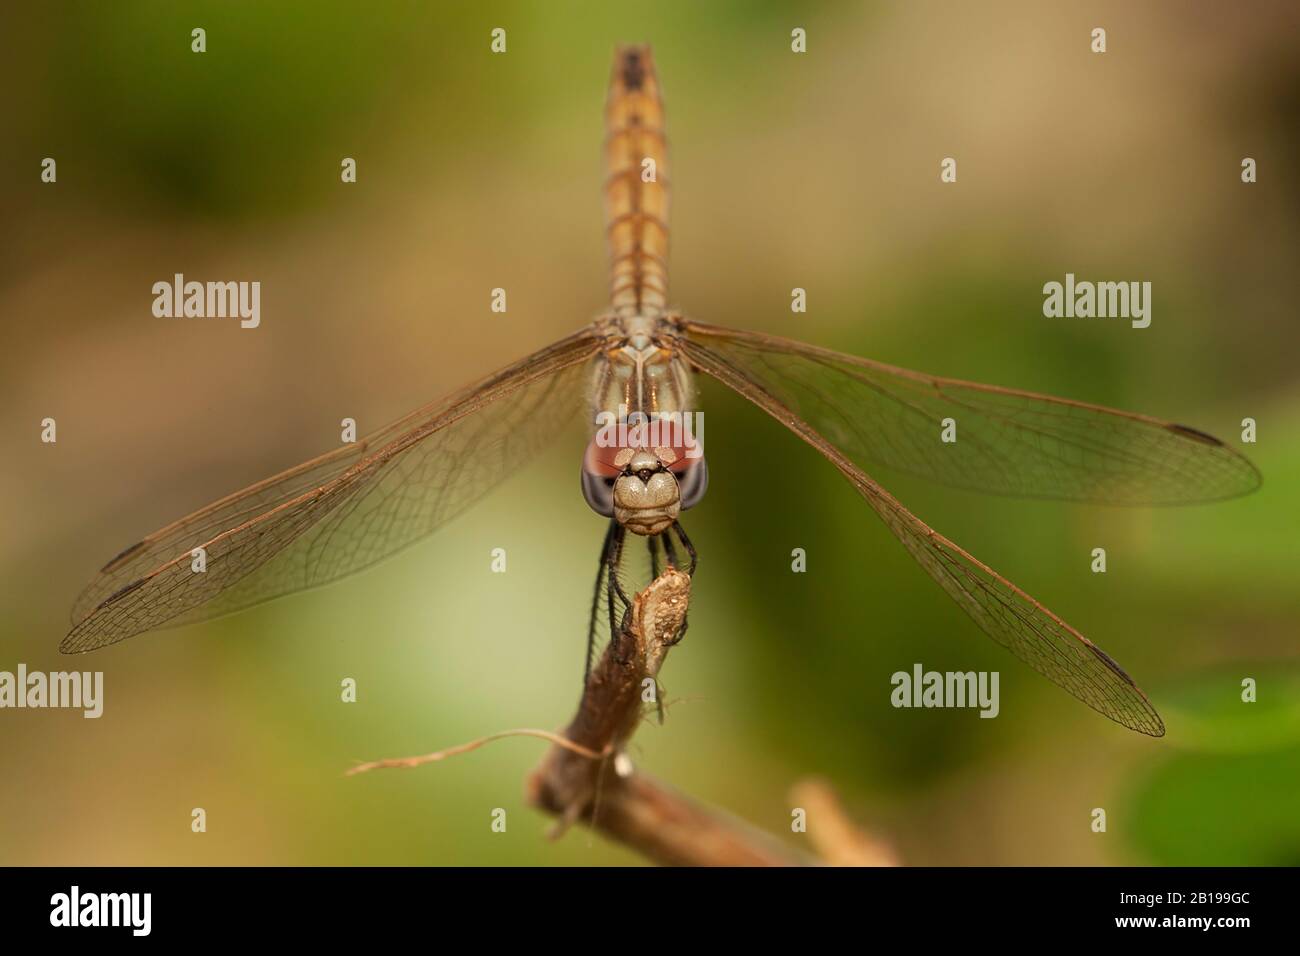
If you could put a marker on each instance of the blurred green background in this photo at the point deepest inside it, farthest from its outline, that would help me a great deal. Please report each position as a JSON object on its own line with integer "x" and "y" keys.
{"x": 477, "y": 171}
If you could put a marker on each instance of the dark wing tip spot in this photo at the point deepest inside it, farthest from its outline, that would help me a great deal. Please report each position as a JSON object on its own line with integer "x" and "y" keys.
{"x": 120, "y": 558}
{"x": 1152, "y": 727}
{"x": 1110, "y": 662}
{"x": 1195, "y": 434}
{"x": 126, "y": 589}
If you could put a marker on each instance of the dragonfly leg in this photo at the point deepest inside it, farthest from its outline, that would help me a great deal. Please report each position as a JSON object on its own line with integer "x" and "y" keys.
{"x": 686, "y": 543}
{"x": 672, "y": 559}
{"x": 601, "y": 571}
{"x": 613, "y": 587}
{"x": 652, "y": 544}
{"x": 615, "y": 558}
{"x": 669, "y": 551}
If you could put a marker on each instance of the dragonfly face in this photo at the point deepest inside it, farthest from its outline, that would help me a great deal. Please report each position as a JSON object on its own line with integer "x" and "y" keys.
{"x": 643, "y": 489}
{"x": 646, "y": 497}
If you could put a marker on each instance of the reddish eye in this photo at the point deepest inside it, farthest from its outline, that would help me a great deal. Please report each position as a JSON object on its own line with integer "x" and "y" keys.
{"x": 599, "y": 460}
{"x": 684, "y": 460}
{"x": 684, "y": 453}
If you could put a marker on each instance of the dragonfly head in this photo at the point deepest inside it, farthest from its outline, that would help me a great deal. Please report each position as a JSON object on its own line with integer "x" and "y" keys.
{"x": 642, "y": 489}
{"x": 646, "y": 496}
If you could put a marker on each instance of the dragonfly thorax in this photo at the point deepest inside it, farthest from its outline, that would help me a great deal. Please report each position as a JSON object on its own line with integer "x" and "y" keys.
{"x": 638, "y": 331}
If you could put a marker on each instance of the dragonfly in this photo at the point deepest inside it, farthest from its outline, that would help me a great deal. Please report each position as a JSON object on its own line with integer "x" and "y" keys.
{"x": 638, "y": 360}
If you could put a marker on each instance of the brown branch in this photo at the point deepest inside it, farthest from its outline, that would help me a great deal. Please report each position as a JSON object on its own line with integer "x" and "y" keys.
{"x": 612, "y": 797}
{"x": 586, "y": 776}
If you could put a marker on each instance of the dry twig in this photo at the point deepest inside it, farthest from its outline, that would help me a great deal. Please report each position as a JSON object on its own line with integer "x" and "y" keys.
{"x": 619, "y": 801}
{"x": 586, "y": 777}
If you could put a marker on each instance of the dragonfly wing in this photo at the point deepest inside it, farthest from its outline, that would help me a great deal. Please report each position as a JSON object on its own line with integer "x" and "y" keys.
{"x": 341, "y": 512}
{"x": 1007, "y": 441}
{"x": 1003, "y": 611}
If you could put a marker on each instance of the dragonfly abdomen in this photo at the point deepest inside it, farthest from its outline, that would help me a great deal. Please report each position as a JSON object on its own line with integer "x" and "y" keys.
{"x": 636, "y": 186}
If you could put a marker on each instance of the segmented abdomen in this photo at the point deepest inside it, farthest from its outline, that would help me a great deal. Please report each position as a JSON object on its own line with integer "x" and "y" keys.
{"x": 636, "y": 185}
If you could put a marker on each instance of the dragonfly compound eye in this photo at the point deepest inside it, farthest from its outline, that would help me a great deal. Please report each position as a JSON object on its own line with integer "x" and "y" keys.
{"x": 599, "y": 492}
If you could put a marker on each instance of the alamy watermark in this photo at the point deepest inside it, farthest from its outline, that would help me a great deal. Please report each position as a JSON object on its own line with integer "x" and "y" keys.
{"x": 75, "y": 908}
{"x": 1100, "y": 300}
{"x": 209, "y": 300}
{"x": 922, "y": 688}
{"x": 76, "y": 690}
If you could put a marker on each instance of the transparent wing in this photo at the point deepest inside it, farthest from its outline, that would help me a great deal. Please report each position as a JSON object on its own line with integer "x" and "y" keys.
{"x": 341, "y": 512}
{"x": 1007, "y": 441}
{"x": 1003, "y": 611}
